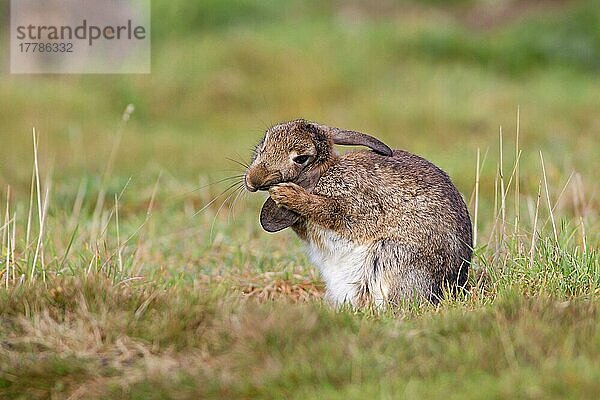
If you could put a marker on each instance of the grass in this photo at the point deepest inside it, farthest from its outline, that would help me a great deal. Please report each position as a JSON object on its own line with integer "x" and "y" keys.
{"x": 91, "y": 337}
{"x": 118, "y": 287}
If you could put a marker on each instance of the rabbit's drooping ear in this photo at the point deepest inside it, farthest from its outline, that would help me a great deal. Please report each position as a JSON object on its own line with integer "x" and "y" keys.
{"x": 345, "y": 137}
{"x": 274, "y": 218}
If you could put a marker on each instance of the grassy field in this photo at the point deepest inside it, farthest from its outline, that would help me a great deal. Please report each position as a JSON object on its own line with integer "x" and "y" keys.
{"x": 131, "y": 269}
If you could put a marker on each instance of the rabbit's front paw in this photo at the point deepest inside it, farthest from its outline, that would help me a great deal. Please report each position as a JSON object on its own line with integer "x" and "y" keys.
{"x": 288, "y": 195}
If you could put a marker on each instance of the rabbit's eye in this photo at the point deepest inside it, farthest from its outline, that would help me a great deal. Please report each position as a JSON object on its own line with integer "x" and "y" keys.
{"x": 301, "y": 159}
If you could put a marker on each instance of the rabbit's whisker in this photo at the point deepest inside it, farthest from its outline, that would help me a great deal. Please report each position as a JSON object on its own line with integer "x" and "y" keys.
{"x": 237, "y": 171}
{"x": 246, "y": 166}
{"x": 242, "y": 159}
{"x": 217, "y": 197}
{"x": 240, "y": 191}
{"x": 229, "y": 178}
{"x": 212, "y": 226}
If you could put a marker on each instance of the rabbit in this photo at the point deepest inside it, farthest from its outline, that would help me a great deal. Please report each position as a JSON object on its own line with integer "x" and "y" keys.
{"x": 383, "y": 226}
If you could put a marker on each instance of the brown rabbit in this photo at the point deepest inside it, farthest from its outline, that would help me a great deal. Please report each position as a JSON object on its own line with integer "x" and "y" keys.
{"x": 382, "y": 226}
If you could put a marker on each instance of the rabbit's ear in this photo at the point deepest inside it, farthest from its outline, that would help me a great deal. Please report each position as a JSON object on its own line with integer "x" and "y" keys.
{"x": 274, "y": 218}
{"x": 345, "y": 137}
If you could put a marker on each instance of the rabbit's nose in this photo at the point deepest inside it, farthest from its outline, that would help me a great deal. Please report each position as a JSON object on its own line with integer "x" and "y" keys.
{"x": 250, "y": 185}
{"x": 254, "y": 179}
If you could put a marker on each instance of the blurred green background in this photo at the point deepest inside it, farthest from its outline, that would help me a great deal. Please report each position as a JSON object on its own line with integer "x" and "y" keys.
{"x": 437, "y": 78}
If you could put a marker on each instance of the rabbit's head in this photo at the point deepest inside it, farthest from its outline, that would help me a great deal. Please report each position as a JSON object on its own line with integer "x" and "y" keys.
{"x": 298, "y": 151}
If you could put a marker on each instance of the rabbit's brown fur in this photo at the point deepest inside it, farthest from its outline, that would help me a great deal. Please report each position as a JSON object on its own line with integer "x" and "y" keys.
{"x": 382, "y": 228}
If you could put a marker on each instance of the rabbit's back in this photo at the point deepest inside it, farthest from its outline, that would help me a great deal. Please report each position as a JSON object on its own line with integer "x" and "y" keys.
{"x": 404, "y": 197}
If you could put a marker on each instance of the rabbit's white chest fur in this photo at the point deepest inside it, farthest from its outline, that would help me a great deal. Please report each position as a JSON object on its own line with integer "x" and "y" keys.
{"x": 343, "y": 265}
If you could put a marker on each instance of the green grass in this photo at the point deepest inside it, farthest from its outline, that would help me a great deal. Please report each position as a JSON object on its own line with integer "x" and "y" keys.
{"x": 143, "y": 342}
{"x": 136, "y": 294}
